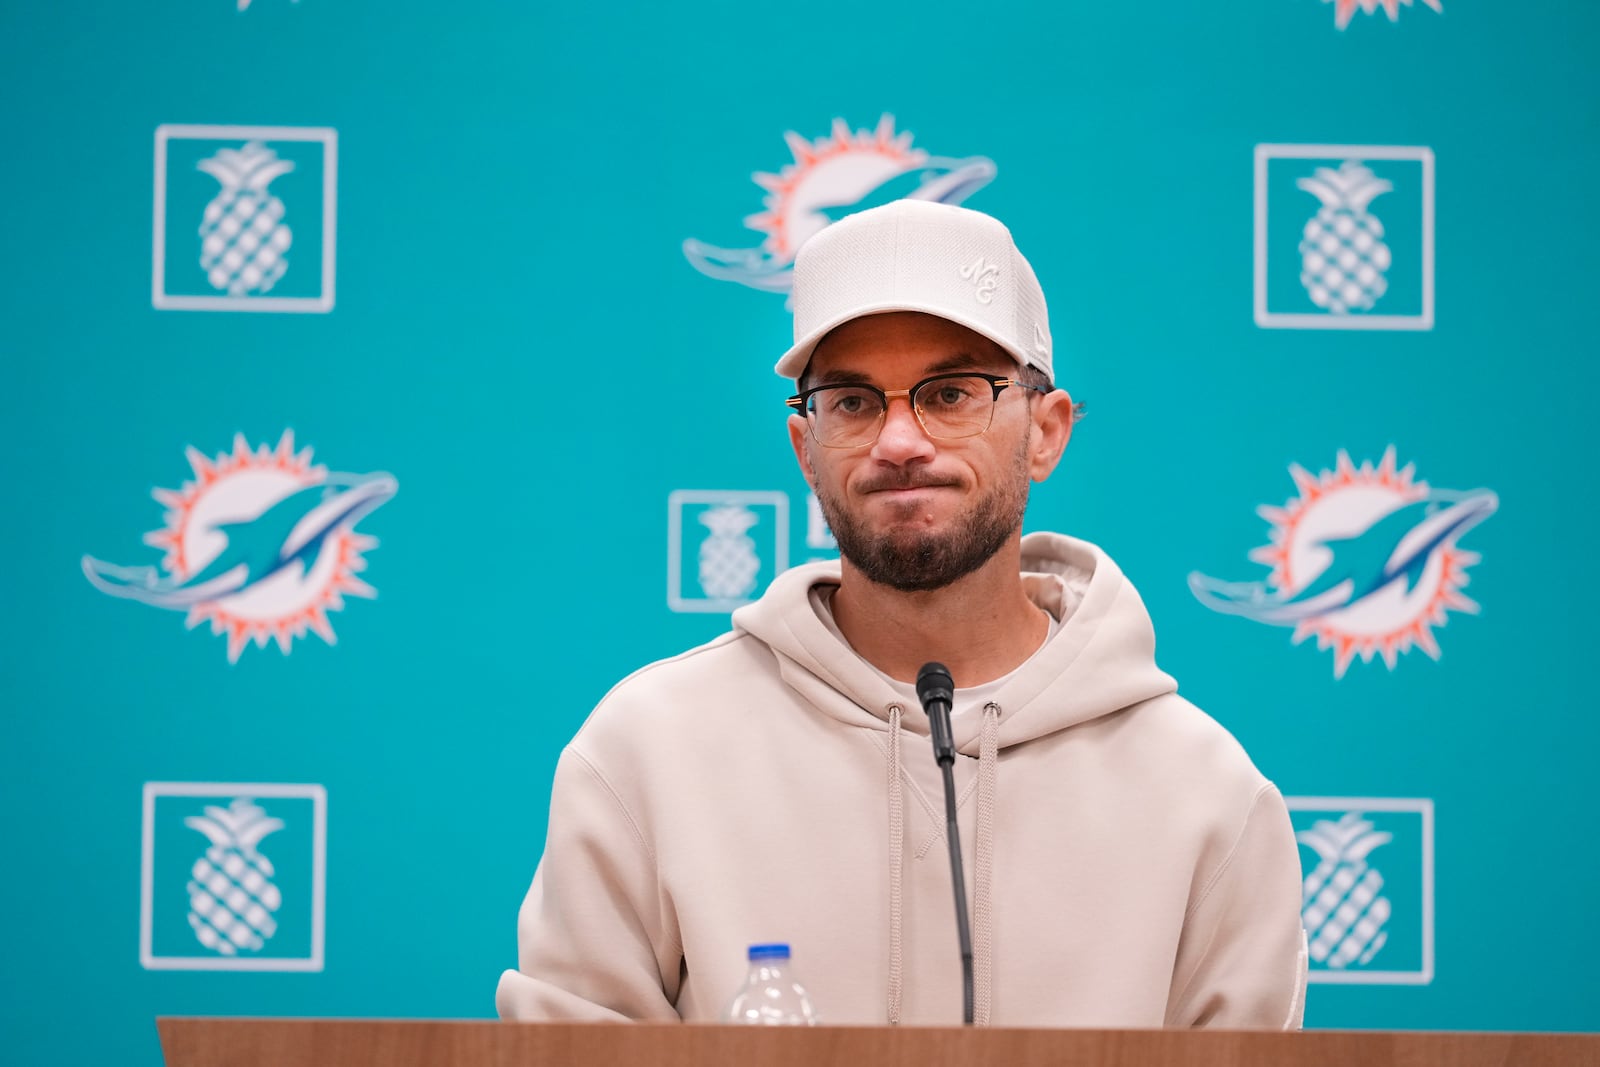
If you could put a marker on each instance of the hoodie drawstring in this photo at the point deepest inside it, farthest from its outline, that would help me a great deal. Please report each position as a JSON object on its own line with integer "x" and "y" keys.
{"x": 983, "y": 891}
{"x": 897, "y": 828}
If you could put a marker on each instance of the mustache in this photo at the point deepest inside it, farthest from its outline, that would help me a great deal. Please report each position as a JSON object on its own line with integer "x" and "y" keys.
{"x": 905, "y": 480}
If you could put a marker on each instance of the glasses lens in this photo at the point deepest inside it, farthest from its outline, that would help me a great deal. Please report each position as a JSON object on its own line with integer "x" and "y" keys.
{"x": 955, "y": 407}
{"x": 845, "y": 415}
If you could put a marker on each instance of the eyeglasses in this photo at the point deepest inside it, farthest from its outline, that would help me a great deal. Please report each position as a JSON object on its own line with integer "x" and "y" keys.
{"x": 949, "y": 406}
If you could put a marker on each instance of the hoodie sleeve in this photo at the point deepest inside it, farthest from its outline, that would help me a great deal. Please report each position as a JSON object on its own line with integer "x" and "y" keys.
{"x": 1242, "y": 956}
{"x": 591, "y": 942}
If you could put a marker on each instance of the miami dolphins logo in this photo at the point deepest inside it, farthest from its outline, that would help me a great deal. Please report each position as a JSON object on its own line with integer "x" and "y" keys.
{"x": 1365, "y": 559}
{"x": 261, "y": 544}
{"x": 1344, "y": 10}
{"x": 832, "y": 177}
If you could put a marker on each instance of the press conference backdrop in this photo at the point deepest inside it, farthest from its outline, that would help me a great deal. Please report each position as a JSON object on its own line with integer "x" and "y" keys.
{"x": 386, "y": 380}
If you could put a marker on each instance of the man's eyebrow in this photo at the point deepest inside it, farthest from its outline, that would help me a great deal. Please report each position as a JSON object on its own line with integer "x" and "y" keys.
{"x": 959, "y": 361}
{"x": 838, "y": 377}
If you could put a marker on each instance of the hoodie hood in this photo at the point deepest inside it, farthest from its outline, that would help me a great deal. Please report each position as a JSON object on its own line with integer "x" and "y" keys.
{"x": 1099, "y": 661}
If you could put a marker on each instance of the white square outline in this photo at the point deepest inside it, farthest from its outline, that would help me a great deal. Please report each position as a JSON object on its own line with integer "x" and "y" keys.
{"x": 1271, "y": 321}
{"x": 1424, "y": 807}
{"x": 675, "y": 504}
{"x": 330, "y": 172}
{"x": 825, "y": 541}
{"x": 319, "y": 849}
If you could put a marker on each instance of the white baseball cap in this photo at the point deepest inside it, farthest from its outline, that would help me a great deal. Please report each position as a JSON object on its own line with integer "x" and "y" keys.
{"x": 919, "y": 255}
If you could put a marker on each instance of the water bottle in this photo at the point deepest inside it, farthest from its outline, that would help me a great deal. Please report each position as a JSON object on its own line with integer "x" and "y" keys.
{"x": 770, "y": 996}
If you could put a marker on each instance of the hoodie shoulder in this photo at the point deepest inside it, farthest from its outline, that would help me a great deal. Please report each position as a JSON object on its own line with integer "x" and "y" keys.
{"x": 1194, "y": 747}
{"x": 663, "y": 691}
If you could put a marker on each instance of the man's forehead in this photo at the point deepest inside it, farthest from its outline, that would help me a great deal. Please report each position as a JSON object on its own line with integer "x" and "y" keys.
{"x": 901, "y": 339}
{"x": 869, "y": 370}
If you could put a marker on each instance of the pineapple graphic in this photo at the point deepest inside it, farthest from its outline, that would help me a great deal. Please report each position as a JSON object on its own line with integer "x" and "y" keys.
{"x": 231, "y": 895}
{"x": 1342, "y": 254}
{"x": 243, "y": 239}
{"x": 1342, "y": 910}
{"x": 728, "y": 561}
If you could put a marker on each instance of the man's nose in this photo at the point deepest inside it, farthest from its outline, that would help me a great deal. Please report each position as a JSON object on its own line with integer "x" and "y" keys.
{"x": 902, "y": 436}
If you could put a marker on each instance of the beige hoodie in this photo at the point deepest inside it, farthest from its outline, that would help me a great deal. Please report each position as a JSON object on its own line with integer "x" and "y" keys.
{"x": 1127, "y": 865}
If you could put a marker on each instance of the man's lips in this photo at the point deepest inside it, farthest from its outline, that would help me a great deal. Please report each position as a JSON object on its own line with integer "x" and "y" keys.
{"x": 906, "y": 488}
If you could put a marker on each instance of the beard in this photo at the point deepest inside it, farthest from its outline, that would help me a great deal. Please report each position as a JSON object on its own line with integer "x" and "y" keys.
{"x": 914, "y": 561}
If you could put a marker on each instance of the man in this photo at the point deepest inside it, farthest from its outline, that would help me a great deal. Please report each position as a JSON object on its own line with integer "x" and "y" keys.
{"x": 1127, "y": 865}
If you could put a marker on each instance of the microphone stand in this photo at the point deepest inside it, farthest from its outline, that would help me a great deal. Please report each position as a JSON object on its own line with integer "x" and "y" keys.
{"x": 936, "y": 692}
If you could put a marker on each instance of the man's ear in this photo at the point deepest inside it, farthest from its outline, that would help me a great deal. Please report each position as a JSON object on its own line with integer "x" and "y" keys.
{"x": 1052, "y": 429}
{"x": 799, "y": 440}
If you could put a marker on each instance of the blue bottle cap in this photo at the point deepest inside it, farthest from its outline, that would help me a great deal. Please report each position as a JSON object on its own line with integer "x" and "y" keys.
{"x": 769, "y": 952}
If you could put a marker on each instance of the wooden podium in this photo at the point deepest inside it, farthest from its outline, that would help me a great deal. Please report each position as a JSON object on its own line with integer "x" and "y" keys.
{"x": 373, "y": 1043}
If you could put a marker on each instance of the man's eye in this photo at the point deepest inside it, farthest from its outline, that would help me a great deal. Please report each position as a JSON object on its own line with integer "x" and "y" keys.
{"x": 848, "y": 402}
{"x": 950, "y": 395}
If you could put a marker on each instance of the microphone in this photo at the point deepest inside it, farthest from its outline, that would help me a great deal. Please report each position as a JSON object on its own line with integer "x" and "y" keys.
{"x": 936, "y": 692}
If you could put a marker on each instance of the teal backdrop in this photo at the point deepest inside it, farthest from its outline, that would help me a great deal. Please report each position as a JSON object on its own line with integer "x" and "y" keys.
{"x": 486, "y": 330}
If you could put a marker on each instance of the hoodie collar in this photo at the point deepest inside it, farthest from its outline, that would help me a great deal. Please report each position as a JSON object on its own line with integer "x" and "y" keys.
{"x": 1100, "y": 660}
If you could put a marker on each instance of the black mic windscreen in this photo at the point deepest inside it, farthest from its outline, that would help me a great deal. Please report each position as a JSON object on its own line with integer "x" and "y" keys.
{"x": 933, "y": 682}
